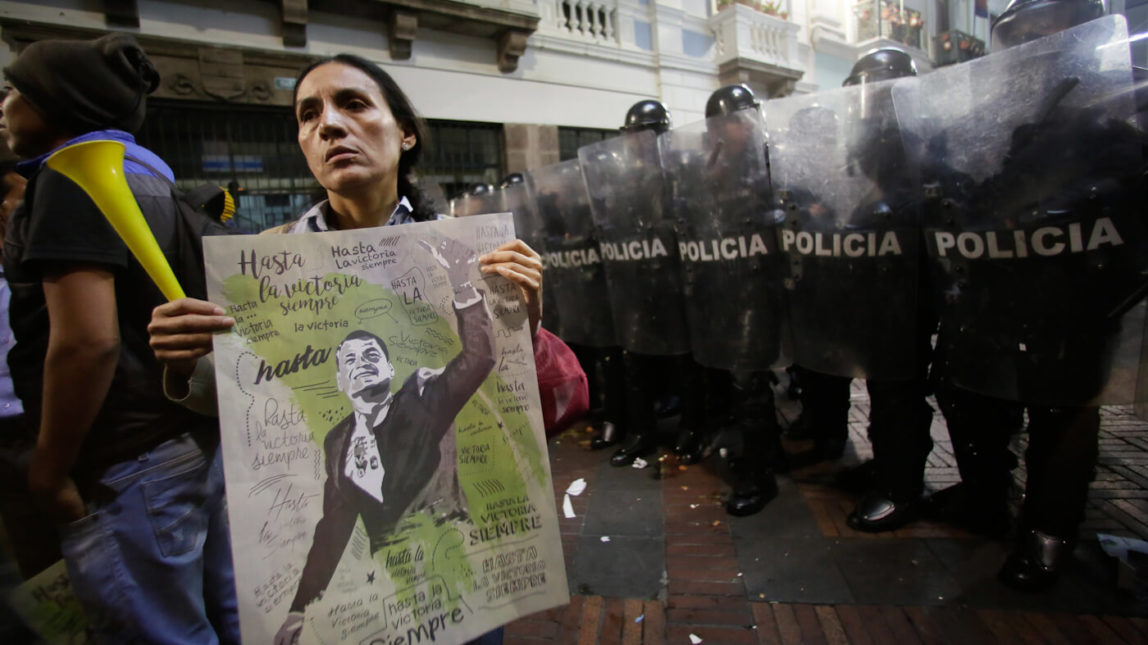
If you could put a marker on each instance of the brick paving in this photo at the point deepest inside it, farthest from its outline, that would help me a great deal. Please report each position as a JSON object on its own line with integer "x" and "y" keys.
{"x": 732, "y": 581}
{"x": 677, "y": 567}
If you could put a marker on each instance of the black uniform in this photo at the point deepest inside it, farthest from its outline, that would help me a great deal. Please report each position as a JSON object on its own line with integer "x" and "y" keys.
{"x": 857, "y": 293}
{"x": 1038, "y": 263}
{"x": 733, "y": 278}
{"x": 640, "y": 257}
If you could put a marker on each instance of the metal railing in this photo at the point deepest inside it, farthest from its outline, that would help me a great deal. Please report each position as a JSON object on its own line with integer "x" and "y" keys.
{"x": 251, "y": 150}
{"x": 742, "y": 32}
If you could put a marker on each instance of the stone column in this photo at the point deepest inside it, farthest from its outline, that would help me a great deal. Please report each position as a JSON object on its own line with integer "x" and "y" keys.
{"x": 530, "y": 146}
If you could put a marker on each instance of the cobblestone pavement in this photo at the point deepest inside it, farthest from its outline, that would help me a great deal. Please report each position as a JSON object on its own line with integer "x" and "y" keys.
{"x": 675, "y": 566}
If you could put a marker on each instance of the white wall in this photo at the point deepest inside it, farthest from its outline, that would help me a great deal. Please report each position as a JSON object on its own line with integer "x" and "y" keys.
{"x": 448, "y": 76}
{"x": 559, "y": 80}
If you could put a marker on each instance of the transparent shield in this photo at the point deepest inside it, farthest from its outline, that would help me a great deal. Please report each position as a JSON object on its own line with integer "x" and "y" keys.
{"x": 848, "y": 219}
{"x": 639, "y": 249}
{"x": 574, "y": 271}
{"x": 727, "y": 238}
{"x": 1030, "y": 163}
{"x": 518, "y": 199}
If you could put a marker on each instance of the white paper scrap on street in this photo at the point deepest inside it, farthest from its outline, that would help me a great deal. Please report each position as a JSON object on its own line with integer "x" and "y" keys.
{"x": 567, "y": 507}
{"x": 387, "y": 473}
{"x": 576, "y": 487}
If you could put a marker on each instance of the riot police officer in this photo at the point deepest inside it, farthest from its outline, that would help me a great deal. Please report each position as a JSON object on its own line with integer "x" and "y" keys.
{"x": 574, "y": 271}
{"x": 603, "y": 365}
{"x": 640, "y": 261}
{"x": 899, "y": 418}
{"x": 1037, "y": 334}
{"x": 640, "y": 371}
{"x": 735, "y": 173}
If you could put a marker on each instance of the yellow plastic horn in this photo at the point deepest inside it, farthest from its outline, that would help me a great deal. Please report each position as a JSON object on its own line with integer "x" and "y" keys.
{"x": 98, "y": 168}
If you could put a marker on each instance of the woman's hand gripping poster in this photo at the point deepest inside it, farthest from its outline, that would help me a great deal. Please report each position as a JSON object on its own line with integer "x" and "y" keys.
{"x": 387, "y": 474}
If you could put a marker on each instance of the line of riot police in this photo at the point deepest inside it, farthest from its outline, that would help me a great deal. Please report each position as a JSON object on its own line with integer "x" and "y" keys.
{"x": 978, "y": 232}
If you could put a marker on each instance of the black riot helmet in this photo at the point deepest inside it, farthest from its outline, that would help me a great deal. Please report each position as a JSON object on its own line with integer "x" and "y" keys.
{"x": 647, "y": 115}
{"x": 882, "y": 64}
{"x": 511, "y": 179}
{"x": 479, "y": 189}
{"x": 729, "y": 99}
{"x": 1025, "y": 20}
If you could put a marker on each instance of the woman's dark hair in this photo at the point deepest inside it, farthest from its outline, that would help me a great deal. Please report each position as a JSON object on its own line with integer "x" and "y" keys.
{"x": 404, "y": 114}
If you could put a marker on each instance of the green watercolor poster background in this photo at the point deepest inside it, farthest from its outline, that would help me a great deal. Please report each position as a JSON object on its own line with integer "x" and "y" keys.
{"x": 294, "y": 298}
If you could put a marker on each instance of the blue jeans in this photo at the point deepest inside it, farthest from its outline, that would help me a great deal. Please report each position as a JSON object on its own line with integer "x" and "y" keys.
{"x": 152, "y": 562}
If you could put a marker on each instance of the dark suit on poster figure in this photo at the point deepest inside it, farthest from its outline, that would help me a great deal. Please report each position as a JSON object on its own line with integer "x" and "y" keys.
{"x": 382, "y": 458}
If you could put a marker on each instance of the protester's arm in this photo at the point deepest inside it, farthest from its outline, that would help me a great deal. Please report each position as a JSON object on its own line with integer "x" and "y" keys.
{"x": 520, "y": 264}
{"x": 180, "y": 335}
{"x": 561, "y": 382}
{"x": 83, "y": 351}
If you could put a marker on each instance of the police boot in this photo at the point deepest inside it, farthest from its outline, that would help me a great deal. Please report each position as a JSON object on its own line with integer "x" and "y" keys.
{"x": 754, "y": 487}
{"x": 610, "y": 435}
{"x": 640, "y": 445}
{"x": 877, "y": 512}
{"x": 1036, "y": 563}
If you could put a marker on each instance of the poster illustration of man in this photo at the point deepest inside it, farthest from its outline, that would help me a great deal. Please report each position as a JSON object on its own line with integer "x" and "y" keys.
{"x": 396, "y": 433}
{"x": 427, "y": 514}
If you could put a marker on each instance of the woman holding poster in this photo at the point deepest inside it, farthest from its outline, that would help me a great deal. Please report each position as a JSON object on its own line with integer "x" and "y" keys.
{"x": 361, "y": 139}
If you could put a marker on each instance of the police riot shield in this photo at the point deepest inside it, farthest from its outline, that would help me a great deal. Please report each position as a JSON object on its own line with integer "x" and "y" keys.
{"x": 719, "y": 195}
{"x": 848, "y": 233}
{"x": 638, "y": 247}
{"x": 1034, "y": 216}
{"x": 468, "y": 204}
{"x": 573, "y": 264}
{"x": 519, "y": 199}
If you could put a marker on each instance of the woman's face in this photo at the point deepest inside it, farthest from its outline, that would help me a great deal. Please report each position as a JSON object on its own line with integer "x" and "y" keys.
{"x": 346, "y": 129}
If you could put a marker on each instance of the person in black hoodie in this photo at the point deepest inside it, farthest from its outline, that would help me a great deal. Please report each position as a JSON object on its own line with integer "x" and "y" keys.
{"x": 134, "y": 480}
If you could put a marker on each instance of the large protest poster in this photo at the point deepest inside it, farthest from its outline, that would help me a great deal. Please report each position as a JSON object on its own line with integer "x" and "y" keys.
{"x": 387, "y": 477}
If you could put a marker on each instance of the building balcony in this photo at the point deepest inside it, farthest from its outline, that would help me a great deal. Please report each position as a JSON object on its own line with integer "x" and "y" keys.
{"x": 756, "y": 48}
{"x": 591, "y": 22}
